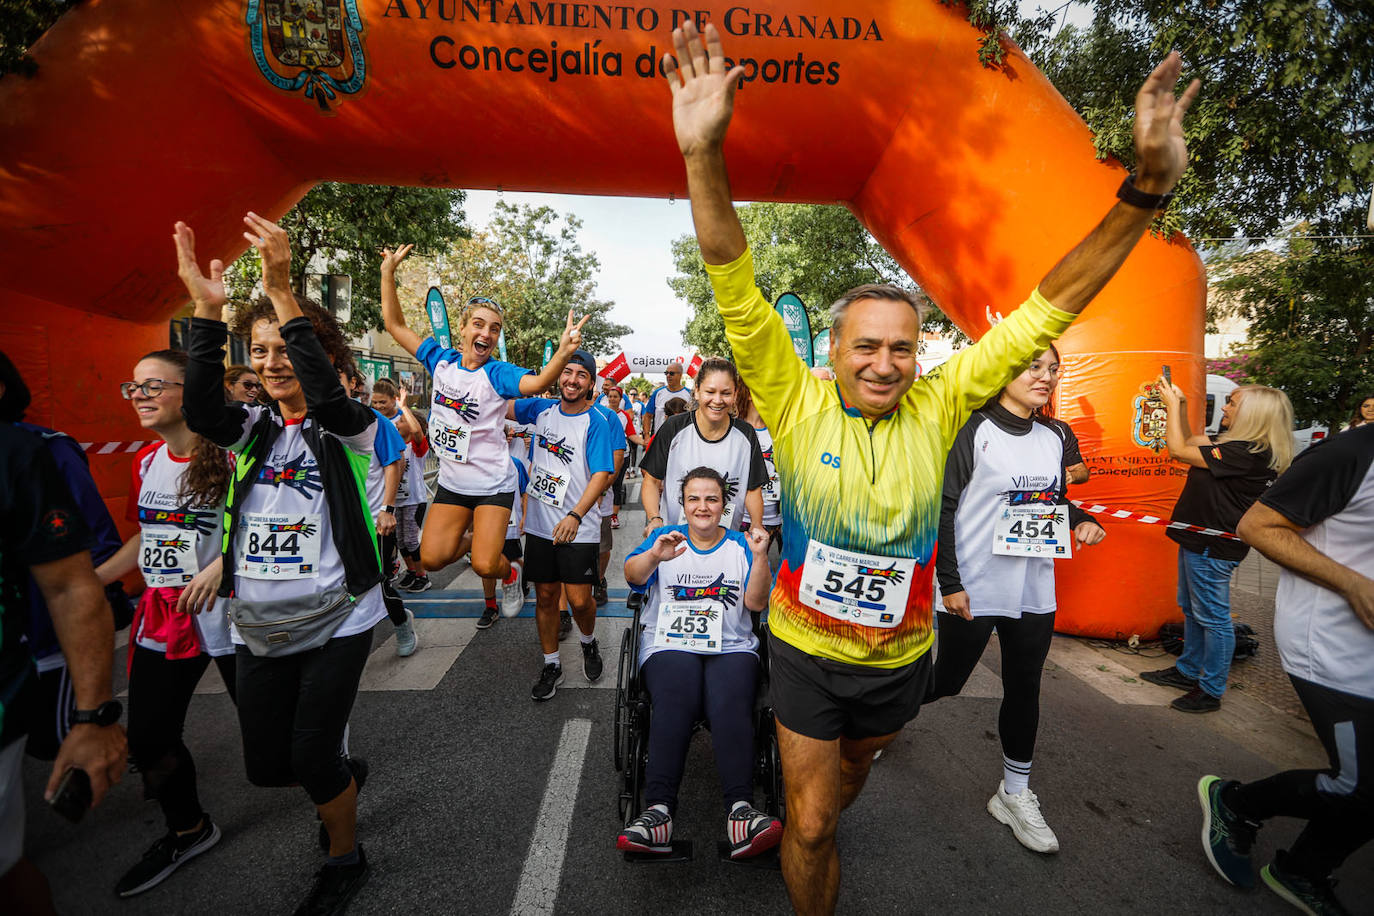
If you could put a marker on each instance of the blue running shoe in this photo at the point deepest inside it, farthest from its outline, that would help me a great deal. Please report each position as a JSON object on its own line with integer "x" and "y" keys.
{"x": 1226, "y": 837}
{"x": 1316, "y": 898}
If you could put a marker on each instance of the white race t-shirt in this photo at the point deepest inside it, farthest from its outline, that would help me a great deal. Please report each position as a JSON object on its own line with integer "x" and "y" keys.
{"x": 772, "y": 490}
{"x": 177, "y": 541}
{"x": 718, "y": 576}
{"x": 615, "y": 428}
{"x": 680, "y": 446}
{"x": 412, "y": 491}
{"x": 659, "y": 399}
{"x": 285, "y": 543}
{"x": 466, "y": 420}
{"x": 568, "y": 449}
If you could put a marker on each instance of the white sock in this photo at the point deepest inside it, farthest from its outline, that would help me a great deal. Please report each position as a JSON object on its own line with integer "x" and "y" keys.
{"x": 551, "y": 658}
{"x": 1015, "y": 775}
{"x": 584, "y": 638}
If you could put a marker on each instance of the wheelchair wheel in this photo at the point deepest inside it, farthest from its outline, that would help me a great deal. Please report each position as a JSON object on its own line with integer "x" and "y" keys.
{"x": 620, "y": 732}
{"x": 775, "y": 798}
{"x": 632, "y": 793}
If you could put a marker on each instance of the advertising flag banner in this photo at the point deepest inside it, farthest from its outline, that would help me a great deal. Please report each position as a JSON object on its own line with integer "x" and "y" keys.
{"x": 822, "y": 348}
{"x": 501, "y": 345}
{"x": 548, "y": 353}
{"x": 616, "y": 369}
{"x": 694, "y": 366}
{"x": 438, "y": 317}
{"x": 798, "y": 324}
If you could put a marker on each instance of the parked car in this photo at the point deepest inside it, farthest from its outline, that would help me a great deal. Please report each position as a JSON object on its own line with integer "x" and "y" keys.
{"x": 1305, "y": 432}
{"x": 1218, "y": 387}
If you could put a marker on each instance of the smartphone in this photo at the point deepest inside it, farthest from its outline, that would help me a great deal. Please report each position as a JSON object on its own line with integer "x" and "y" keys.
{"x": 1168, "y": 376}
{"x": 73, "y": 796}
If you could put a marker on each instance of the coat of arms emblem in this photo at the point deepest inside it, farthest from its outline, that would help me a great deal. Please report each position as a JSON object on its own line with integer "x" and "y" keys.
{"x": 1150, "y": 418}
{"x": 310, "y": 45}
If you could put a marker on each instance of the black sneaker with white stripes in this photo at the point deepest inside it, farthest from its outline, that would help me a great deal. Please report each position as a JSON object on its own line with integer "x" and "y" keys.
{"x": 652, "y": 831}
{"x": 751, "y": 831}
{"x": 550, "y": 679}
{"x": 591, "y": 661}
{"x": 165, "y": 856}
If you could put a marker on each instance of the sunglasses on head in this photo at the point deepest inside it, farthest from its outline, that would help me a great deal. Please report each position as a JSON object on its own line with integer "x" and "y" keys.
{"x": 488, "y": 303}
{"x": 150, "y": 388}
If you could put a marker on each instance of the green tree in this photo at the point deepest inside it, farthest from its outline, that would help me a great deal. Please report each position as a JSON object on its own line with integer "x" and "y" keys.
{"x": 815, "y": 251}
{"x": 638, "y": 383}
{"x": 1311, "y": 313}
{"x": 347, "y": 225}
{"x": 22, "y": 22}
{"x": 530, "y": 261}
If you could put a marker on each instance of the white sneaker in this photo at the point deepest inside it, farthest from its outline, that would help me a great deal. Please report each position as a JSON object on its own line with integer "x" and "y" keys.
{"x": 1022, "y": 814}
{"x": 406, "y": 640}
{"x": 513, "y": 591}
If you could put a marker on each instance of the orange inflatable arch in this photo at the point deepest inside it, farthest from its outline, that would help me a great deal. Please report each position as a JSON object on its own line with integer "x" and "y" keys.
{"x": 143, "y": 112}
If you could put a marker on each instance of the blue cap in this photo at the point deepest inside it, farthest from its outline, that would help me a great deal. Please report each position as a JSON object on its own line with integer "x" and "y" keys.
{"x": 585, "y": 360}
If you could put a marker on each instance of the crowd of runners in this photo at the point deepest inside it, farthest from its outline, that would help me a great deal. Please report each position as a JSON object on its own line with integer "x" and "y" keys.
{"x": 279, "y": 521}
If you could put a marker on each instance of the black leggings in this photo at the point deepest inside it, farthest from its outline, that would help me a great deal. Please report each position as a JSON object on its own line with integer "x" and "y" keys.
{"x": 1025, "y": 643}
{"x": 160, "y": 692}
{"x": 685, "y": 687}
{"x": 395, "y": 609}
{"x": 293, "y": 710}
{"x": 1337, "y": 803}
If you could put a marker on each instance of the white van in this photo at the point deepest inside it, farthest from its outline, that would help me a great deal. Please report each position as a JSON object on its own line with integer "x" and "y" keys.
{"x": 1218, "y": 387}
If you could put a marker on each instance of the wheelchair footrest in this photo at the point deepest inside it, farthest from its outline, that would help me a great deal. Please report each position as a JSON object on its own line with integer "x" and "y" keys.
{"x": 768, "y": 861}
{"x": 682, "y": 852}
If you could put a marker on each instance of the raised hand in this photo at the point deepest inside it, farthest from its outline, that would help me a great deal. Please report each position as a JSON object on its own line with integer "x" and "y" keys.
{"x": 703, "y": 91}
{"x": 758, "y": 542}
{"x": 206, "y": 292}
{"x": 668, "y": 546}
{"x": 274, "y": 247}
{"x": 392, "y": 259}
{"x": 572, "y": 333}
{"x": 1161, "y": 154}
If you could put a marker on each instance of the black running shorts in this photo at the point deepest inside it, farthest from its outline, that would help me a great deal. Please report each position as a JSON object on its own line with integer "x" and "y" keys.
{"x": 570, "y": 564}
{"x": 445, "y": 497}
{"x": 825, "y": 699}
{"x": 512, "y": 550}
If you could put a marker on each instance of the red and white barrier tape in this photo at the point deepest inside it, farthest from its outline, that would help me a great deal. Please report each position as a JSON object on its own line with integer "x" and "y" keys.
{"x": 110, "y": 448}
{"x": 1153, "y": 520}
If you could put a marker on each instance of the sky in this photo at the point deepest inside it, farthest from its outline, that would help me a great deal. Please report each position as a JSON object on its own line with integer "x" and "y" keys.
{"x": 632, "y": 237}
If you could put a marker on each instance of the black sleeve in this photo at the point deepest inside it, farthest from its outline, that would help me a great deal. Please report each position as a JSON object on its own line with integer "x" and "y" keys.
{"x": 958, "y": 471}
{"x": 329, "y": 404}
{"x": 1072, "y": 454}
{"x": 1233, "y": 459}
{"x": 202, "y": 401}
{"x": 655, "y": 461}
{"x": 41, "y": 518}
{"x": 758, "y": 471}
{"x": 1324, "y": 478}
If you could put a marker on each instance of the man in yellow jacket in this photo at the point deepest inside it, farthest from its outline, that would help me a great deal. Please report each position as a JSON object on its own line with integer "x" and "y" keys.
{"x": 860, "y": 459}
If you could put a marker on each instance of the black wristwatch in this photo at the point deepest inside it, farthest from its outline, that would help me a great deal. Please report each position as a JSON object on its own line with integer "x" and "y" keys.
{"x": 106, "y": 713}
{"x": 1129, "y": 193}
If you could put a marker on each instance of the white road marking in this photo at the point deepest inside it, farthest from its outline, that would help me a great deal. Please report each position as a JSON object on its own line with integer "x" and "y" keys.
{"x": 1107, "y": 676}
{"x": 441, "y": 641}
{"x": 538, "y": 889}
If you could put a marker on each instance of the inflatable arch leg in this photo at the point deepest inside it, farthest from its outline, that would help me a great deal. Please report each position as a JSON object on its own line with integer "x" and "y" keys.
{"x": 977, "y": 180}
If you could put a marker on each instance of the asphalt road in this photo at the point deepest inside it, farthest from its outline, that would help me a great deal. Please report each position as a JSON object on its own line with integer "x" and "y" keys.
{"x": 481, "y": 801}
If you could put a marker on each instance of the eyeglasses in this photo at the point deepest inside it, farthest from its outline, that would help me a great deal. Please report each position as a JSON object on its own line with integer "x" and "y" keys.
{"x": 150, "y": 388}
{"x": 484, "y": 301}
{"x": 250, "y": 386}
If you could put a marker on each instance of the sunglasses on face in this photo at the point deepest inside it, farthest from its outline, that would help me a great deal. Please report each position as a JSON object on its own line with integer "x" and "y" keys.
{"x": 150, "y": 388}
{"x": 250, "y": 386}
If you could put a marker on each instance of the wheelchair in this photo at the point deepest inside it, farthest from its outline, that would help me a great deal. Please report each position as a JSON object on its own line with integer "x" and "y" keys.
{"x": 631, "y": 729}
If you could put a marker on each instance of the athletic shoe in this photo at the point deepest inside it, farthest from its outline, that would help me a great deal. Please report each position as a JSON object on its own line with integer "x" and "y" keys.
{"x": 489, "y": 616}
{"x": 591, "y": 660}
{"x": 550, "y": 679}
{"x": 564, "y": 625}
{"x": 1197, "y": 700}
{"x": 406, "y": 640}
{"x": 751, "y": 832}
{"x": 513, "y": 591}
{"x": 1226, "y": 837}
{"x": 1022, "y": 814}
{"x": 165, "y": 856}
{"x": 334, "y": 886}
{"x": 599, "y": 592}
{"x": 1317, "y": 898}
{"x": 615, "y": 520}
{"x": 652, "y": 831}
{"x": 404, "y": 581}
{"x": 359, "y": 768}
{"x": 1169, "y": 677}
{"x": 419, "y": 584}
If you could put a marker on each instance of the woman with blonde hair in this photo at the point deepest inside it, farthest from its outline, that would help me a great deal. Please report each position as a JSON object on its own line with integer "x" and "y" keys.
{"x": 1225, "y": 477}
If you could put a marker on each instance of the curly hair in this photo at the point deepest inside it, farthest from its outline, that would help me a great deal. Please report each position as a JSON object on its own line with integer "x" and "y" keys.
{"x": 327, "y": 329}
{"x": 206, "y": 481}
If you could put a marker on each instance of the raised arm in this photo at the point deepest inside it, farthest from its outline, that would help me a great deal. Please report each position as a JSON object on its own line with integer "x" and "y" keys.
{"x": 1176, "y": 435}
{"x": 1161, "y": 156}
{"x": 535, "y": 384}
{"x": 392, "y": 317}
{"x": 640, "y": 566}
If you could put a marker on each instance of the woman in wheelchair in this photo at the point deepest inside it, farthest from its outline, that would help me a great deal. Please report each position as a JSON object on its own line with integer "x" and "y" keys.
{"x": 699, "y": 659}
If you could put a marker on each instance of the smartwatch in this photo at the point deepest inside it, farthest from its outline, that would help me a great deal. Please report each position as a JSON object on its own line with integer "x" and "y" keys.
{"x": 106, "y": 713}
{"x": 391, "y": 509}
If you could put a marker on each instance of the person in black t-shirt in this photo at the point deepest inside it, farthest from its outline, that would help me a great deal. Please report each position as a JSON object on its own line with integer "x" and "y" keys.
{"x": 1225, "y": 477}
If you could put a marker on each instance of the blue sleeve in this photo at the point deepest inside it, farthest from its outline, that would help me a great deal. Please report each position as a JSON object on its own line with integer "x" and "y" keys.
{"x": 599, "y": 457}
{"x": 522, "y": 475}
{"x": 505, "y": 378}
{"x": 653, "y": 399}
{"x": 527, "y": 410}
{"x": 647, "y": 544}
{"x": 430, "y": 354}
{"x": 615, "y": 428}
{"x": 388, "y": 444}
{"x": 71, "y": 464}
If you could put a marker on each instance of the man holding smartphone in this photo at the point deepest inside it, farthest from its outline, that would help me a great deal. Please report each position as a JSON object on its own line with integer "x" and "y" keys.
{"x": 42, "y": 533}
